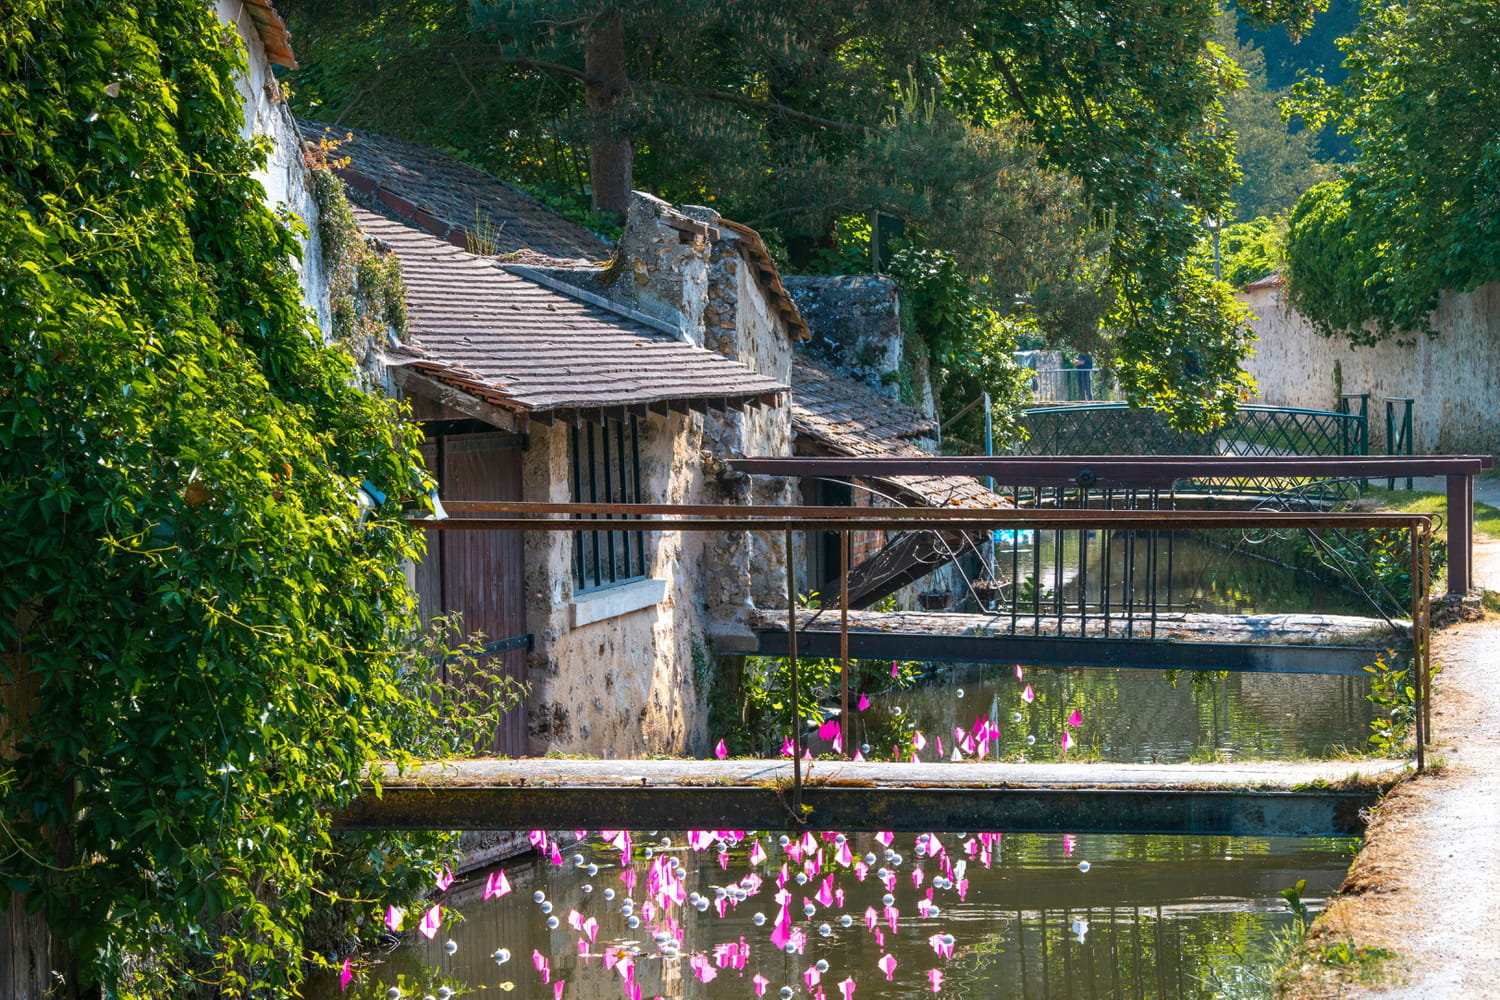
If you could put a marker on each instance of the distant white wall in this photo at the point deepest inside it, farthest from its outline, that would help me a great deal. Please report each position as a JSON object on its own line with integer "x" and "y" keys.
{"x": 1454, "y": 377}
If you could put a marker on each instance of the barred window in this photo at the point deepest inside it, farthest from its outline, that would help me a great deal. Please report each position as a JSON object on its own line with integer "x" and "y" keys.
{"x": 607, "y": 469}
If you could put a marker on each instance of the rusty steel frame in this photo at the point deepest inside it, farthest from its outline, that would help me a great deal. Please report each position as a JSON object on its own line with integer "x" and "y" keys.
{"x": 527, "y": 516}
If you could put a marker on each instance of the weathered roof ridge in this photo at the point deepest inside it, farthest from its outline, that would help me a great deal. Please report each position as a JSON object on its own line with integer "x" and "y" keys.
{"x": 843, "y": 416}
{"x": 769, "y": 278}
{"x": 537, "y": 351}
{"x": 272, "y": 31}
{"x": 438, "y": 193}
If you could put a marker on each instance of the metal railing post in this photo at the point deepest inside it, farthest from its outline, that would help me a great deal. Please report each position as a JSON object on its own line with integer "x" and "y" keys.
{"x": 844, "y": 640}
{"x": 796, "y": 699}
{"x": 1419, "y": 686}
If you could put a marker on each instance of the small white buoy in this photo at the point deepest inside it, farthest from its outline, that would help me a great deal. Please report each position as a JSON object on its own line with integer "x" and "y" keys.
{"x": 538, "y": 896}
{"x": 1031, "y": 741}
{"x": 552, "y": 923}
{"x": 759, "y": 920}
{"x": 632, "y": 923}
{"x": 592, "y": 870}
{"x": 809, "y": 909}
{"x": 864, "y": 748}
{"x": 824, "y": 930}
{"x": 1083, "y": 866}
{"x": 802, "y": 878}
{"x": 394, "y": 993}
{"x": 546, "y": 907}
{"x": 1015, "y": 717}
{"x": 870, "y": 859}
{"x": 450, "y": 946}
{"x": 888, "y": 899}
{"x": 609, "y": 894}
{"x": 897, "y": 711}
{"x": 846, "y": 921}
{"x": 821, "y": 965}
{"x": 501, "y": 956}
{"x": 959, "y": 693}
{"x": 587, "y": 887}
{"x": 444, "y": 993}
{"x": 786, "y": 991}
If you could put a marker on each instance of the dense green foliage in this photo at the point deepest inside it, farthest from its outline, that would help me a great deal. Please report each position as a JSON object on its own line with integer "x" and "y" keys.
{"x": 204, "y": 641}
{"x": 1251, "y": 250}
{"x": 1417, "y": 211}
{"x": 1065, "y": 155}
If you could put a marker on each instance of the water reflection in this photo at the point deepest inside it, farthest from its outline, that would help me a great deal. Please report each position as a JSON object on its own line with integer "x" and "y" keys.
{"x": 1167, "y": 917}
{"x": 1131, "y": 715}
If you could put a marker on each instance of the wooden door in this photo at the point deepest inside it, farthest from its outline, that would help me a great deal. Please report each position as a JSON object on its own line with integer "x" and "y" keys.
{"x": 480, "y": 574}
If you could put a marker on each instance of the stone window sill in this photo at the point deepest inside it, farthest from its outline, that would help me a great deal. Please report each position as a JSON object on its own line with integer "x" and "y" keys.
{"x": 611, "y": 602}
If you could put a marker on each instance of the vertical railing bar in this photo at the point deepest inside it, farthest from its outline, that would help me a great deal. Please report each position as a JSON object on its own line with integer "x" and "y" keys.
{"x": 1130, "y": 572}
{"x": 1057, "y": 566}
{"x": 635, "y": 464}
{"x": 1418, "y": 681}
{"x": 1427, "y": 631}
{"x": 623, "y": 540}
{"x": 579, "y": 560}
{"x": 1015, "y": 565}
{"x": 796, "y": 698}
{"x": 609, "y": 491}
{"x": 1106, "y": 548}
{"x": 588, "y": 429}
{"x": 844, "y": 639}
{"x": 1036, "y": 574}
{"x": 1083, "y": 566}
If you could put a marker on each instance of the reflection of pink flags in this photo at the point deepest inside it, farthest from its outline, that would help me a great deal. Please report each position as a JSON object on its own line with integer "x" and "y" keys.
{"x": 893, "y": 668}
{"x": 824, "y": 895}
{"x": 884, "y": 838}
{"x": 782, "y": 933}
{"x": 1076, "y": 719}
{"x": 444, "y": 879}
{"x": 591, "y": 928}
{"x": 393, "y": 917}
{"x": 1067, "y": 741}
{"x": 1019, "y": 675}
{"x": 345, "y": 975}
{"x": 918, "y": 740}
{"x": 887, "y": 964}
{"x": 846, "y": 989}
{"x": 944, "y": 949}
{"x": 721, "y": 751}
{"x": 812, "y": 977}
{"x": 935, "y": 977}
{"x": 431, "y": 921}
{"x": 864, "y": 702}
{"x": 557, "y": 989}
{"x": 496, "y": 885}
{"x": 761, "y": 982}
{"x": 1028, "y": 696}
{"x": 757, "y": 854}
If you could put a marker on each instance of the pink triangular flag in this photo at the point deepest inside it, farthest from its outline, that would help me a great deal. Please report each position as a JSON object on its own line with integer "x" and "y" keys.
{"x": 496, "y": 885}
{"x": 346, "y": 973}
{"x": 887, "y": 964}
{"x": 847, "y": 989}
{"x": 444, "y": 879}
{"x": 864, "y": 702}
{"x": 721, "y": 751}
{"x": 1076, "y": 719}
{"x": 935, "y": 976}
{"x": 1067, "y": 741}
{"x": 393, "y": 917}
{"x": 431, "y": 921}
{"x": 1028, "y": 696}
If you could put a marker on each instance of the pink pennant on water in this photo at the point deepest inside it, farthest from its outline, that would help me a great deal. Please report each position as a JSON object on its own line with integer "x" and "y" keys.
{"x": 1076, "y": 719}
{"x": 846, "y": 988}
{"x": 496, "y": 885}
{"x": 431, "y": 921}
{"x": 557, "y": 989}
{"x": 393, "y": 917}
{"x": 935, "y": 977}
{"x": 346, "y": 973}
{"x": 444, "y": 879}
{"x": 893, "y": 668}
{"x": 812, "y": 977}
{"x": 918, "y": 740}
{"x": 1067, "y": 741}
{"x": 721, "y": 751}
{"x": 1028, "y": 696}
{"x": 1019, "y": 675}
{"x": 887, "y": 964}
{"x": 864, "y": 702}
{"x": 761, "y": 982}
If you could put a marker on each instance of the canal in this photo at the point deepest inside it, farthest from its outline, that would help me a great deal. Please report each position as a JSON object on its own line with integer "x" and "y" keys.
{"x": 1031, "y": 917}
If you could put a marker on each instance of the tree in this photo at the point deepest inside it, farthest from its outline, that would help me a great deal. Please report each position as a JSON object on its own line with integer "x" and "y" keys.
{"x": 1276, "y": 164}
{"x": 203, "y": 637}
{"x": 790, "y": 118}
{"x": 1417, "y": 210}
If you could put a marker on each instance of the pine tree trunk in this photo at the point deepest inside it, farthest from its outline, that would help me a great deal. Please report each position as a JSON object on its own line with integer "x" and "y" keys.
{"x": 611, "y": 152}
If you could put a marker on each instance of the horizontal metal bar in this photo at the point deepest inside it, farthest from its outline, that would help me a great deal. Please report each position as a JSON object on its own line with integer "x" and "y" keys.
{"x": 1105, "y": 469}
{"x": 689, "y": 517}
{"x": 908, "y": 809}
{"x": 1078, "y": 651}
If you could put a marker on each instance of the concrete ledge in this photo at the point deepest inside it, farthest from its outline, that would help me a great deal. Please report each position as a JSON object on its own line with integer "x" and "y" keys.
{"x": 611, "y": 602}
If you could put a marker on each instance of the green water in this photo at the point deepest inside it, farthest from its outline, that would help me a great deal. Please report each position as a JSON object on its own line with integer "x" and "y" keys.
{"x": 1168, "y": 918}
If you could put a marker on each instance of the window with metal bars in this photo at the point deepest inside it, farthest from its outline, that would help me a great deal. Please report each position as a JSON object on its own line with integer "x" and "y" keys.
{"x": 607, "y": 469}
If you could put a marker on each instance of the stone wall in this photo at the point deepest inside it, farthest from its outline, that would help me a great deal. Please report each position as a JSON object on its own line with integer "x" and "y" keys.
{"x": 1454, "y": 377}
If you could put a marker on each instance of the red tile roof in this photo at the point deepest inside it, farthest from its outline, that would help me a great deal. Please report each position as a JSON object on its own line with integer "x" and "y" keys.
{"x": 838, "y": 415}
{"x": 272, "y": 31}
{"x": 541, "y": 351}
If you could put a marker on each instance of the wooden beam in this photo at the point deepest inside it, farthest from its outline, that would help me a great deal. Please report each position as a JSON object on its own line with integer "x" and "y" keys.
{"x": 415, "y": 383}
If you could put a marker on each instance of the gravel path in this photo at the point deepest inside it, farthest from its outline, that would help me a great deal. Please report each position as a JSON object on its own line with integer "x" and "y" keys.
{"x": 1427, "y": 883}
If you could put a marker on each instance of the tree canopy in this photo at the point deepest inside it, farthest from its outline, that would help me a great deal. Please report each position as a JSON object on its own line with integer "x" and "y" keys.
{"x": 1417, "y": 210}
{"x": 1064, "y": 153}
{"x": 203, "y": 640}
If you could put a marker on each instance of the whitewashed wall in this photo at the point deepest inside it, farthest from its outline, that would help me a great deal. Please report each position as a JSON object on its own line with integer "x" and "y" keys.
{"x": 1454, "y": 377}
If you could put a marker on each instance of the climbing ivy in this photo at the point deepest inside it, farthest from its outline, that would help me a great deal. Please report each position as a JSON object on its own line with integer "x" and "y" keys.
{"x": 205, "y": 641}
